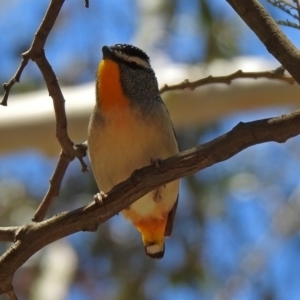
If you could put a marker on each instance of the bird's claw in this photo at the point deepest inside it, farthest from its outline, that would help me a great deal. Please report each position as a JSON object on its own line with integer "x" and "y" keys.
{"x": 156, "y": 162}
{"x": 99, "y": 197}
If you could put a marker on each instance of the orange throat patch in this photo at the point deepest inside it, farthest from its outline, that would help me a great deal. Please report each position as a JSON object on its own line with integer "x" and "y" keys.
{"x": 109, "y": 87}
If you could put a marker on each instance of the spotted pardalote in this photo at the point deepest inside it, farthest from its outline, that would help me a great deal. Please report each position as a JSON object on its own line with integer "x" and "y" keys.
{"x": 130, "y": 128}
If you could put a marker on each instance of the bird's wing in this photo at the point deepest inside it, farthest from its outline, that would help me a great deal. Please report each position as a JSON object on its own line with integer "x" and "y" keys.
{"x": 170, "y": 221}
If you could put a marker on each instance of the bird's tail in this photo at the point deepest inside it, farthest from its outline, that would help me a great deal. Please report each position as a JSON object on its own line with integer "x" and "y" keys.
{"x": 153, "y": 236}
{"x": 155, "y": 249}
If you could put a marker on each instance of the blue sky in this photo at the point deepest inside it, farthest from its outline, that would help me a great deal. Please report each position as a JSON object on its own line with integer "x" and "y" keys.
{"x": 85, "y": 31}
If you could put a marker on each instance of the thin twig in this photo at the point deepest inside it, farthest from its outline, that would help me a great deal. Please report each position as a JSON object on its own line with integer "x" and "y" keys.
{"x": 8, "y": 234}
{"x": 16, "y": 78}
{"x": 227, "y": 79}
{"x": 280, "y": 70}
{"x": 288, "y": 24}
{"x": 282, "y": 2}
{"x": 83, "y": 149}
{"x": 298, "y": 9}
{"x": 37, "y": 45}
{"x": 54, "y": 188}
{"x": 56, "y": 180}
{"x": 286, "y": 7}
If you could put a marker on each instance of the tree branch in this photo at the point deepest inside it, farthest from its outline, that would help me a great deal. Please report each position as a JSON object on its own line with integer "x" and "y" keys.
{"x": 298, "y": 9}
{"x": 8, "y": 234}
{"x": 227, "y": 79}
{"x": 54, "y": 187}
{"x": 258, "y": 19}
{"x": 55, "y": 182}
{"x": 34, "y": 236}
{"x": 36, "y": 53}
{"x": 16, "y": 78}
{"x": 37, "y": 46}
{"x": 30, "y": 238}
{"x": 286, "y": 7}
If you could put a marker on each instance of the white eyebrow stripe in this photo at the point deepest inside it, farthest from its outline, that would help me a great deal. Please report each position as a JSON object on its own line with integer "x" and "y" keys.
{"x": 139, "y": 61}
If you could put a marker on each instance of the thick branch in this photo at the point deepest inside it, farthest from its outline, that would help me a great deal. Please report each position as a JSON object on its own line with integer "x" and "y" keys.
{"x": 34, "y": 236}
{"x": 263, "y": 25}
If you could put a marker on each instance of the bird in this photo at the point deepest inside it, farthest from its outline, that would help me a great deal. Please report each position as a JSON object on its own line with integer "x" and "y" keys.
{"x": 130, "y": 128}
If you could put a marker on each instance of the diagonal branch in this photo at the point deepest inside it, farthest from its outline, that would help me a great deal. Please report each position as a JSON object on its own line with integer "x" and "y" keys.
{"x": 286, "y": 7}
{"x": 55, "y": 182}
{"x": 227, "y": 79}
{"x": 34, "y": 236}
{"x": 266, "y": 29}
{"x": 54, "y": 187}
{"x": 16, "y": 78}
{"x": 59, "y": 105}
{"x": 37, "y": 45}
{"x": 298, "y": 9}
{"x": 36, "y": 53}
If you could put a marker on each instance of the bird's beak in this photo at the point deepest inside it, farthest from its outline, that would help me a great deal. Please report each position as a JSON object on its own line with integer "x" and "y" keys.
{"x": 107, "y": 53}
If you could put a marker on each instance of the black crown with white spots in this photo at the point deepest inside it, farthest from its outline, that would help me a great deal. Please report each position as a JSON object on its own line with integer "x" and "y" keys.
{"x": 131, "y": 51}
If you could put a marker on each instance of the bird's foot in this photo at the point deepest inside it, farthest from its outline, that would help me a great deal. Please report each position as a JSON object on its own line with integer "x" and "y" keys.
{"x": 156, "y": 162}
{"x": 99, "y": 197}
{"x": 134, "y": 176}
{"x": 157, "y": 195}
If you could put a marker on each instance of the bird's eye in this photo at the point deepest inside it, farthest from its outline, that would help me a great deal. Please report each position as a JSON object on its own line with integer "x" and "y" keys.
{"x": 133, "y": 65}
